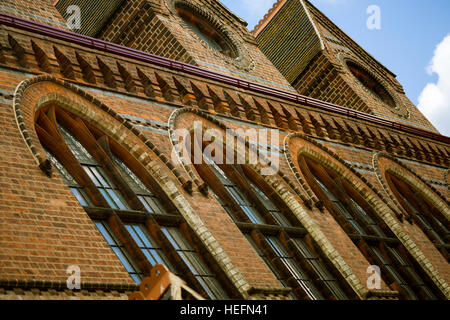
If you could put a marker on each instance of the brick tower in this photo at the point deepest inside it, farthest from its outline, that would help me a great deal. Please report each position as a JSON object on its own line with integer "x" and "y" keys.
{"x": 94, "y": 186}
{"x": 322, "y": 62}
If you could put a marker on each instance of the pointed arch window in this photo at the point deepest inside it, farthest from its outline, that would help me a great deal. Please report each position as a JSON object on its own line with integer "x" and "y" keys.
{"x": 276, "y": 235}
{"x": 369, "y": 233}
{"x": 426, "y": 215}
{"x": 135, "y": 217}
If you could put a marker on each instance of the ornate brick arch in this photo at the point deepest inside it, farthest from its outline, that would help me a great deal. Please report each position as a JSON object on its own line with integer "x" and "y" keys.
{"x": 243, "y": 59}
{"x": 401, "y": 109}
{"x": 35, "y": 93}
{"x": 281, "y": 186}
{"x": 298, "y": 144}
{"x": 446, "y": 178}
{"x": 384, "y": 163}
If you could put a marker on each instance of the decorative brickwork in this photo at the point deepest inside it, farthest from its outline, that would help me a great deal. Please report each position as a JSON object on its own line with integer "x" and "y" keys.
{"x": 138, "y": 99}
{"x": 321, "y": 63}
{"x": 300, "y": 145}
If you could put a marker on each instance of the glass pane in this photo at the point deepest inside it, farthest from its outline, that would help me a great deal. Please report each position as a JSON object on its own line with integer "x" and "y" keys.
{"x": 100, "y": 177}
{"x": 136, "y": 278}
{"x": 193, "y": 261}
{"x": 105, "y": 234}
{"x": 78, "y": 150}
{"x": 119, "y": 250}
{"x": 253, "y": 215}
{"x": 237, "y": 196}
{"x": 92, "y": 176}
{"x": 135, "y": 237}
{"x": 154, "y": 205}
{"x": 79, "y": 197}
{"x": 216, "y": 289}
{"x": 146, "y": 205}
{"x": 132, "y": 180}
{"x": 108, "y": 199}
{"x": 66, "y": 176}
{"x": 123, "y": 259}
{"x": 148, "y": 245}
{"x": 117, "y": 197}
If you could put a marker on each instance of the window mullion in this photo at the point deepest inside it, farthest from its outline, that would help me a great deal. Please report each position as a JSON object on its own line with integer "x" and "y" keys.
{"x": 130, "y": 245}
{"x": 99, "y": 150}
{"x": 183, "y": 269}
{"x": 342, "y": 196}
{"x": 305, "y": 264}
{"x": 280, "y": 263}
{"x": 68, "y": 160}
{"x": 214, "y": 182}
{"x": 321, "y": 194}
{"x": 399, "y": 190}
{"x": 248, "y": 191}
{"x": 357, "y": 215}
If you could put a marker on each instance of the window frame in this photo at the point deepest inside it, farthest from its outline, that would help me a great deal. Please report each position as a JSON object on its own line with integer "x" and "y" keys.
{"x": 342, "y": 190}
{"x": 404, "y": 193}
{"x": 240, "y": 176}
{"x": 102, "y": 149}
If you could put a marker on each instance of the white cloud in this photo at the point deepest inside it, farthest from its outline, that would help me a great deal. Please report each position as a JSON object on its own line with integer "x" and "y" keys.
{"x": 434, "y": 101}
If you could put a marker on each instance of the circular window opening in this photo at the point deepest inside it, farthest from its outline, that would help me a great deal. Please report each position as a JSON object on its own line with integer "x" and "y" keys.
{"x": 206, "y": 31}
{"x": 371, "y": 84}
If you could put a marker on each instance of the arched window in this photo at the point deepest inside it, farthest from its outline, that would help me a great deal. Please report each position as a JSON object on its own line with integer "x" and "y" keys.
{"x": 371, "y": 84}
{"x": 205, "y": 31}
{"x": 276, "y": 235}
{"x": 369, "y": 233}
{"x": 425, "y": 214}
{"x": 133, "y": 214}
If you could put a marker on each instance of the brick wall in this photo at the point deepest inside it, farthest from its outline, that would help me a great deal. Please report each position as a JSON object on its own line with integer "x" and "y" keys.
{"x": 43, "y": 224}
{"x": 322, "y": 71}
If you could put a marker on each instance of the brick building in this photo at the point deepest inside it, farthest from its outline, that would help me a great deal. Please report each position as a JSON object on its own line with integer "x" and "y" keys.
{"x": 89, "y": 176}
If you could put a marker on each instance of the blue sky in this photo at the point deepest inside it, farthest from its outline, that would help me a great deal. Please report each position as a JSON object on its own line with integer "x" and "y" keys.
{"x": 411, "y": 31}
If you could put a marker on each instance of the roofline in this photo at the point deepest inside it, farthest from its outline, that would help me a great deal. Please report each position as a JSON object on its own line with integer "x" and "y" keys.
{"x": 108, "y": 47}
{"x": 245, "y": 23}
{"x": 268, "y": 17}
{"x": 351, "y": 39}
{"x": 278, "y": 5}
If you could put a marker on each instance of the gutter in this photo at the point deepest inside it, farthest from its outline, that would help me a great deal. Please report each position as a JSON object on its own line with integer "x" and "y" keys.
{"x": 108, "y": 47}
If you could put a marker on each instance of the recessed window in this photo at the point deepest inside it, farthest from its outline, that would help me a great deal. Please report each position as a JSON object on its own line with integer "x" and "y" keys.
{"x": 274, "y": 233}
{"x": 137, "y": 221}
{"x": 430, "y": 219}
{"x": 205, "y": 31}
{"x": 369, "y": 233}
{"x": 370, "y": 83}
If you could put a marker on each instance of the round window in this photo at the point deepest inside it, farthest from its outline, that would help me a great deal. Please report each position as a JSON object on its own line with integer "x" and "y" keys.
{"x": 370, "y": 83}
{"x": 205, "y": 31}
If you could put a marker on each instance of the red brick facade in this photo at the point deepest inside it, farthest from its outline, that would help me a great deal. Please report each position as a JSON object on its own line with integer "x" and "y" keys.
{"x": 139, "y": 104}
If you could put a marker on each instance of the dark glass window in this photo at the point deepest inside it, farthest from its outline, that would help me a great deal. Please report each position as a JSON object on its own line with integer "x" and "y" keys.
{"x": 370, "y": 234}
{"x": 195, "y": 264}
{"x": 368, "y": 81}
{"x": 299, "y": 268}
{"x": 205, "y": 31}
{"x": 430, "y": 219}
{"x": 119, "y": 250}
{"x": 92, "y": 165}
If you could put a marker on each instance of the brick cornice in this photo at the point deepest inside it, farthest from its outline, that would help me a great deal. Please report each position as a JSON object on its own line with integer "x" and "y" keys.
{"x": 96, "y": 44}
{"x": 36, "y": 150}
